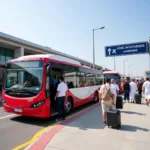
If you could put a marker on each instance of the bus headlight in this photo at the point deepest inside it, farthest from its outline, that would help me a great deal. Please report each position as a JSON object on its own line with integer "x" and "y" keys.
{"x": 4, "y": 102}
{"x": 38, "y": 104}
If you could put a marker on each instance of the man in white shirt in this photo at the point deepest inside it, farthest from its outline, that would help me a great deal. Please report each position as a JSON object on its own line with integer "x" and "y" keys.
{"x": 133, "y": 89}
{"x": 60, "y": 98}
{"x": 115, "y": 90}
{"x": 146, "y": 90}
{"x": 106, "y": 104}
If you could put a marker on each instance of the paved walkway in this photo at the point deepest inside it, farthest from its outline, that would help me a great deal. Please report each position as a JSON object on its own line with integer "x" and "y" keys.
{"x": 87, "y": 132}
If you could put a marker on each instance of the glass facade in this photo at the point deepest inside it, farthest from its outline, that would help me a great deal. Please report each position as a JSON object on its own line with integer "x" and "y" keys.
{"x": 5, "y": 55}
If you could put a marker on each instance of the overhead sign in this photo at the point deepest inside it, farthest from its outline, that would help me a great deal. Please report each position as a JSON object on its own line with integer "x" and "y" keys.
{"x": 147, "y": 74}
{"x": 126, "y": 49}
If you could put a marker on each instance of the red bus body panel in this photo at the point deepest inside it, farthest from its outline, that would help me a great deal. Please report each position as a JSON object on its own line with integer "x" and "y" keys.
{"x": 25, "y": 103}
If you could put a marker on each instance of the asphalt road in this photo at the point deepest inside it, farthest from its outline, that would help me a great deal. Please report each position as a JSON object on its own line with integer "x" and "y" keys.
{"x": 0, "y": 100}
{"x": 0, "y": 103}
{"x": 2, "y": 113}
{"x": 16, "y": 130}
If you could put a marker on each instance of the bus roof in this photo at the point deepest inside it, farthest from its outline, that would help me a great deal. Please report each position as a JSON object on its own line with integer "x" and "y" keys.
{"x": 110, "y": 72}
{"x": 57, "y": 58}
{"x": 51, "y": 56}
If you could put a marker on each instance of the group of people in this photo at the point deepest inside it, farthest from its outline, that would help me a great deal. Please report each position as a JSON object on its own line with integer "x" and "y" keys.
{"x": 109, "y": 91}
{"x": 131, "y": 88}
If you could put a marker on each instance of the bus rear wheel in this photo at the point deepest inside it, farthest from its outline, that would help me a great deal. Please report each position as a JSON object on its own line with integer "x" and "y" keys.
{"x": 96, "y": 97}
{"x": 68, "y": 105}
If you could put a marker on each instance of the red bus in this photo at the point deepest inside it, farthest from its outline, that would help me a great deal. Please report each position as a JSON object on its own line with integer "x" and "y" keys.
{"x": 113, "y": 75}
{"x": 29, "y": 89}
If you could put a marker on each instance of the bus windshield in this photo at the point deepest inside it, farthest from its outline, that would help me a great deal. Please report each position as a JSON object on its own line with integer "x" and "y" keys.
{"x": 112, "y": 76}
{"x": 25, "y": 76}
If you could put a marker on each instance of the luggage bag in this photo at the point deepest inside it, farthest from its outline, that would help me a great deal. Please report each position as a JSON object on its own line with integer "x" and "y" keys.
{"x": 114, "y": 118}
{"x": 137, "y": 98}
{"x": 119, "y": 102}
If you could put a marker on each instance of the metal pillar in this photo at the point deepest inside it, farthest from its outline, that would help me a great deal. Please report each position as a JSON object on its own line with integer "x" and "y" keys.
{"x": 93, "y": 51}
{"x": 124, "y": 67}
{"x": 114, "y": 64}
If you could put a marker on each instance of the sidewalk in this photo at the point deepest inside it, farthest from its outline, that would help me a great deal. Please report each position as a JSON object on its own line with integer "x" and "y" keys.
{"x": 87, "y": 132}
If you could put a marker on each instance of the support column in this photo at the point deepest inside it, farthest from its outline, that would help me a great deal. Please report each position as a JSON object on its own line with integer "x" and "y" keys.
{"x": 149, "y": 51}
{"x": 19, "y": 52}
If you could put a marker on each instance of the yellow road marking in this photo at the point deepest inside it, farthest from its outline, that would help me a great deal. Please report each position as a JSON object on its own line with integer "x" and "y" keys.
{"x": 37, "y": 135}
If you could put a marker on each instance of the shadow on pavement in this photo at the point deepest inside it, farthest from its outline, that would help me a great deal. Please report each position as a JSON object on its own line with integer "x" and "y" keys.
{"x": 132, "y": 128}
{"x": 133, "y": 113}
{"x": 90, "y": 120}
{"x": 34, "y": 121}
{"x": 44, "y": 122}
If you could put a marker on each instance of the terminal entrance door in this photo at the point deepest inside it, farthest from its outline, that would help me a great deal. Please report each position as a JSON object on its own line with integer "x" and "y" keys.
{"x": 2, "y": 75}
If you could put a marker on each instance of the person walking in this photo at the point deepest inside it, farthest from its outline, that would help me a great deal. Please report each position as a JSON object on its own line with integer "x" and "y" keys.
{"x": 133, "y": 89}
{"x": 140, "y": 87}
{"x": 126, "y": 89}
{"x": 115, "y": 90}
{"x": 122, "y": 86}
{"x": 106, "y": 95}
{"x": 138, "y": 83}
{"x": 146, "y": 90}
{"x": 60, "y": 99}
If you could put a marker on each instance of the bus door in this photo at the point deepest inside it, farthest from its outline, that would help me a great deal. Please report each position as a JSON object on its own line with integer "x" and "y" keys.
{"x": 56, "y": 72}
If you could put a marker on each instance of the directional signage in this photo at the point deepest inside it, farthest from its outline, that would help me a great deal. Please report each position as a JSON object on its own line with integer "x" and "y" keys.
{"x": 126, "y": 49}
{"x": 147, "y": 73}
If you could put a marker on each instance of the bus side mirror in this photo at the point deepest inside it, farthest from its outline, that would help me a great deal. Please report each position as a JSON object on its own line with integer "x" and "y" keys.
{"x": 48, "y": 69}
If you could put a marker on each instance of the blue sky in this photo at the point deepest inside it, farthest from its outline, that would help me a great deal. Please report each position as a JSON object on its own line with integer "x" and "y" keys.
{"x": 66, "y": 25}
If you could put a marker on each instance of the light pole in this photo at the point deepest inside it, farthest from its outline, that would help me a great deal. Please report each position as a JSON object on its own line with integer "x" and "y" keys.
{"x": 149, "y": 52}
{"x": 94, "y": 45}
{"x": 129, "y": 70}
{"x": 114, "y": 63}
{"x": 124, "y": 65}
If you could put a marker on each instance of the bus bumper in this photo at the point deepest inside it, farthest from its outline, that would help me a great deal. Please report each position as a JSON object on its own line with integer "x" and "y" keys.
{"x": 32, "y": 112}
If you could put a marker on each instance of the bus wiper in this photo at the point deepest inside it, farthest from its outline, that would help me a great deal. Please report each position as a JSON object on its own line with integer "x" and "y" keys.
{"x": 16, "y": 90}
{"x": 9, "y": 90}
{"x": 26, "y": 90}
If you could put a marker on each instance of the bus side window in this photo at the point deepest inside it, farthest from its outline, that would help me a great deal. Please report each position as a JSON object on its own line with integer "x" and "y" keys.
{"x": 70, "y": 76}
{"x": 47, "y": 86}
{"x": 90, "y": 79}
{"x": 82, "y": 79}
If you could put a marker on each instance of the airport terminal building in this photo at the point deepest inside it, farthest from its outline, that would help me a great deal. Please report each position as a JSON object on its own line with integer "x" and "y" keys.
{"x": 12, "y": 47}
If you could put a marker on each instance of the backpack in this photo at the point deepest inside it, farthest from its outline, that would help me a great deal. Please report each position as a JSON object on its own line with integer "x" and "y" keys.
{"x": 127, "y": 86}
{"x": 106, "y": 93}
{"x": 140, "y": 86}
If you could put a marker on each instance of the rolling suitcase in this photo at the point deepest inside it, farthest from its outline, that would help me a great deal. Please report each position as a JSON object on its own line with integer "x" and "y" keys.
{"x": 137, "y": 98}
{"x": 119, "y": 102}
{"x": 114, "y": 118}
